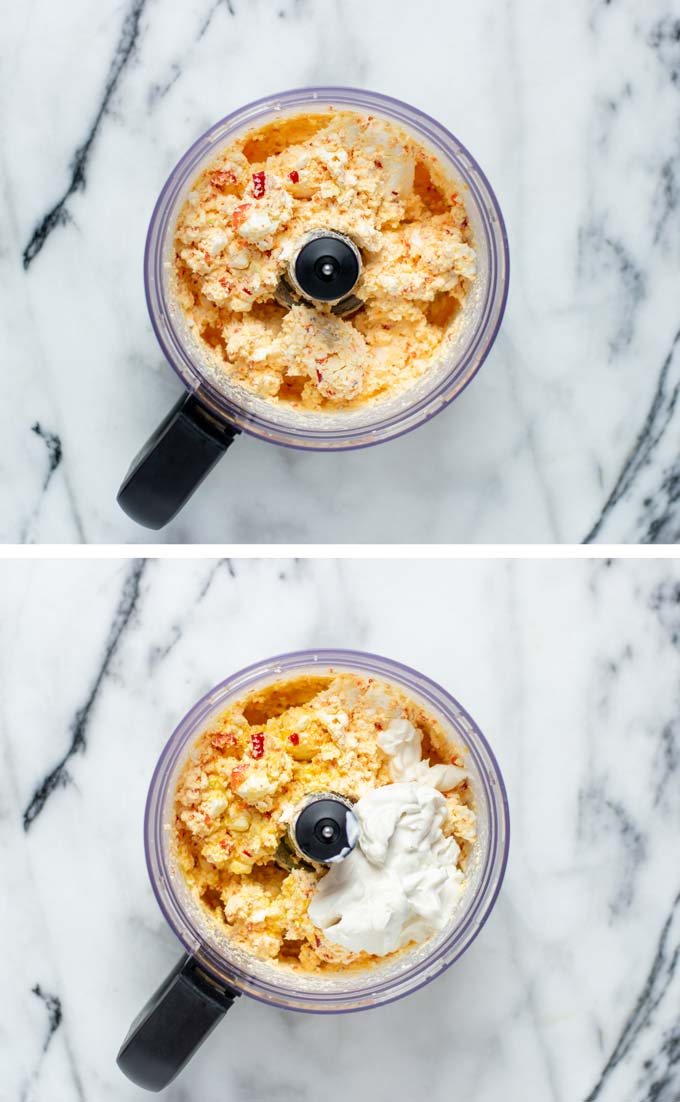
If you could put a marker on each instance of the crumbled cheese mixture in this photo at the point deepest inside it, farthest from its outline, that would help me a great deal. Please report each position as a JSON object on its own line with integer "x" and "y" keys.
{"x": 247, "y": 774}
{"x": 244, "y": 220}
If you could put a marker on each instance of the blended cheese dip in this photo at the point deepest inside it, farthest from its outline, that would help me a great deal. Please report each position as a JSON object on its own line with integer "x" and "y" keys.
{"x": 366, "y": 741}
{"x": 248, "y": 213}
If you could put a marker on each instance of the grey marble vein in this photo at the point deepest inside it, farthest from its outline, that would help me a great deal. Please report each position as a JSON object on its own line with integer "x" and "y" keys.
{"x": 54, "y": 1013}
{"x": 658, "y": 418}
{"x": 58, "y": 775}
{"x": 205, "y": 26}
{"x": 659, "y": 1076}
{"x": 58, "y": 215}
{"x": 599, "y": 813}
{"x": 54, "y": 451}
{"x": 53, "y": 1006}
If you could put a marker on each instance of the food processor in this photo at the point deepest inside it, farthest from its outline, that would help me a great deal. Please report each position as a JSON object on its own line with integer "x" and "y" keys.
{"x": 213, "y": 972}
{"x": 214, "y": 411}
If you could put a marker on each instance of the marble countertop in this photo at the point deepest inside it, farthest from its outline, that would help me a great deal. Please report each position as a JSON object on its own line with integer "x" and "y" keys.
{"x": 569, "y": 994}
{"x": 570, "y": 431}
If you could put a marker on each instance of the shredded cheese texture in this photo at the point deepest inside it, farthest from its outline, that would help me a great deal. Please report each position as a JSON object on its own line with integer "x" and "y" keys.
{"x": 243, "y": 222}
{"x": 249, "y": 771}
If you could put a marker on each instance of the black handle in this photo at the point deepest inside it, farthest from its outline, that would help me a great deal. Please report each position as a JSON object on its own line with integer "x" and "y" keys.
{"x": 174, "y": 1023}
{"x": 173, "y": 463}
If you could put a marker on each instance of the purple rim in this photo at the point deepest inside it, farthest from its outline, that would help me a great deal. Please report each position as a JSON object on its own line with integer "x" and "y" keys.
{"x": 463, "y": 371}
{"x": 400, "y": 984}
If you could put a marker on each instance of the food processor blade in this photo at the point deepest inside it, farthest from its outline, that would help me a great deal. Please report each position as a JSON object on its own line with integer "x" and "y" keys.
{"x": 324, "y": 270}
{"x": 324, "y": 829}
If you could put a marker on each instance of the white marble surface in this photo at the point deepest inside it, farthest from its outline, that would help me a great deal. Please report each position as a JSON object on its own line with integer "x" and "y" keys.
{"x": 570, "y": 993}
{"x": 570, "y": 431}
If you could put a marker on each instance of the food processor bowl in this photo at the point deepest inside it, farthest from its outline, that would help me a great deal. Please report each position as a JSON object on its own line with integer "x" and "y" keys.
{"x": 216, "y": 408}
{"x": 217, "y": 968}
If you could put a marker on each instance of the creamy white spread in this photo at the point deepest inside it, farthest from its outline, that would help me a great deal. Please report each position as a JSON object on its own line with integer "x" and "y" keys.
{"x": 403, "y": 743}
{"x": 400, "y": 884}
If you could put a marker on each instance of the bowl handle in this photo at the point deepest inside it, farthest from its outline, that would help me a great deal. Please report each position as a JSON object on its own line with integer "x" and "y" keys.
{"x": 173, "y": 462}
{"x": 174, "y": 1023}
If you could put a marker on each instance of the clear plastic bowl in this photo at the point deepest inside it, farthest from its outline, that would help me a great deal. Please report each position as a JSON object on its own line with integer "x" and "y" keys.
{"x": 353, "y": 990}
{"x": 479, "y": 323}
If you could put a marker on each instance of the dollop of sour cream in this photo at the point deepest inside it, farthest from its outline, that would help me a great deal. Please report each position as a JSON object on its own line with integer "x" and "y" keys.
{"x": 400, "y": 883}
{"x": 402, "y": 742}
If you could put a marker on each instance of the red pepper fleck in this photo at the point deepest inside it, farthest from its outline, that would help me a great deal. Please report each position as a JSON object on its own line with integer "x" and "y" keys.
{"x": 240, "y": 215}
{"x": 246, "y": 291}
{"x": 223, "y": 843}
{"x": 257, "y": 744}
{"x": 258, "y": 185}
{"x": 223, "y": 282}
{"x": 295, "y": 739}
{"x": 222, "y": 739}
{"x": 267, "y": 252}
{"x": 319, "y": 375}
{"x": 317, "y": 941}
{"x": 237, "y": 775}
{"x": 247, "y": 854}
{"x": 378, "y": 726}
{"x": 294, "y": 176}
{"x": 378, "y": 164}
{"x": 221, "y": 177}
